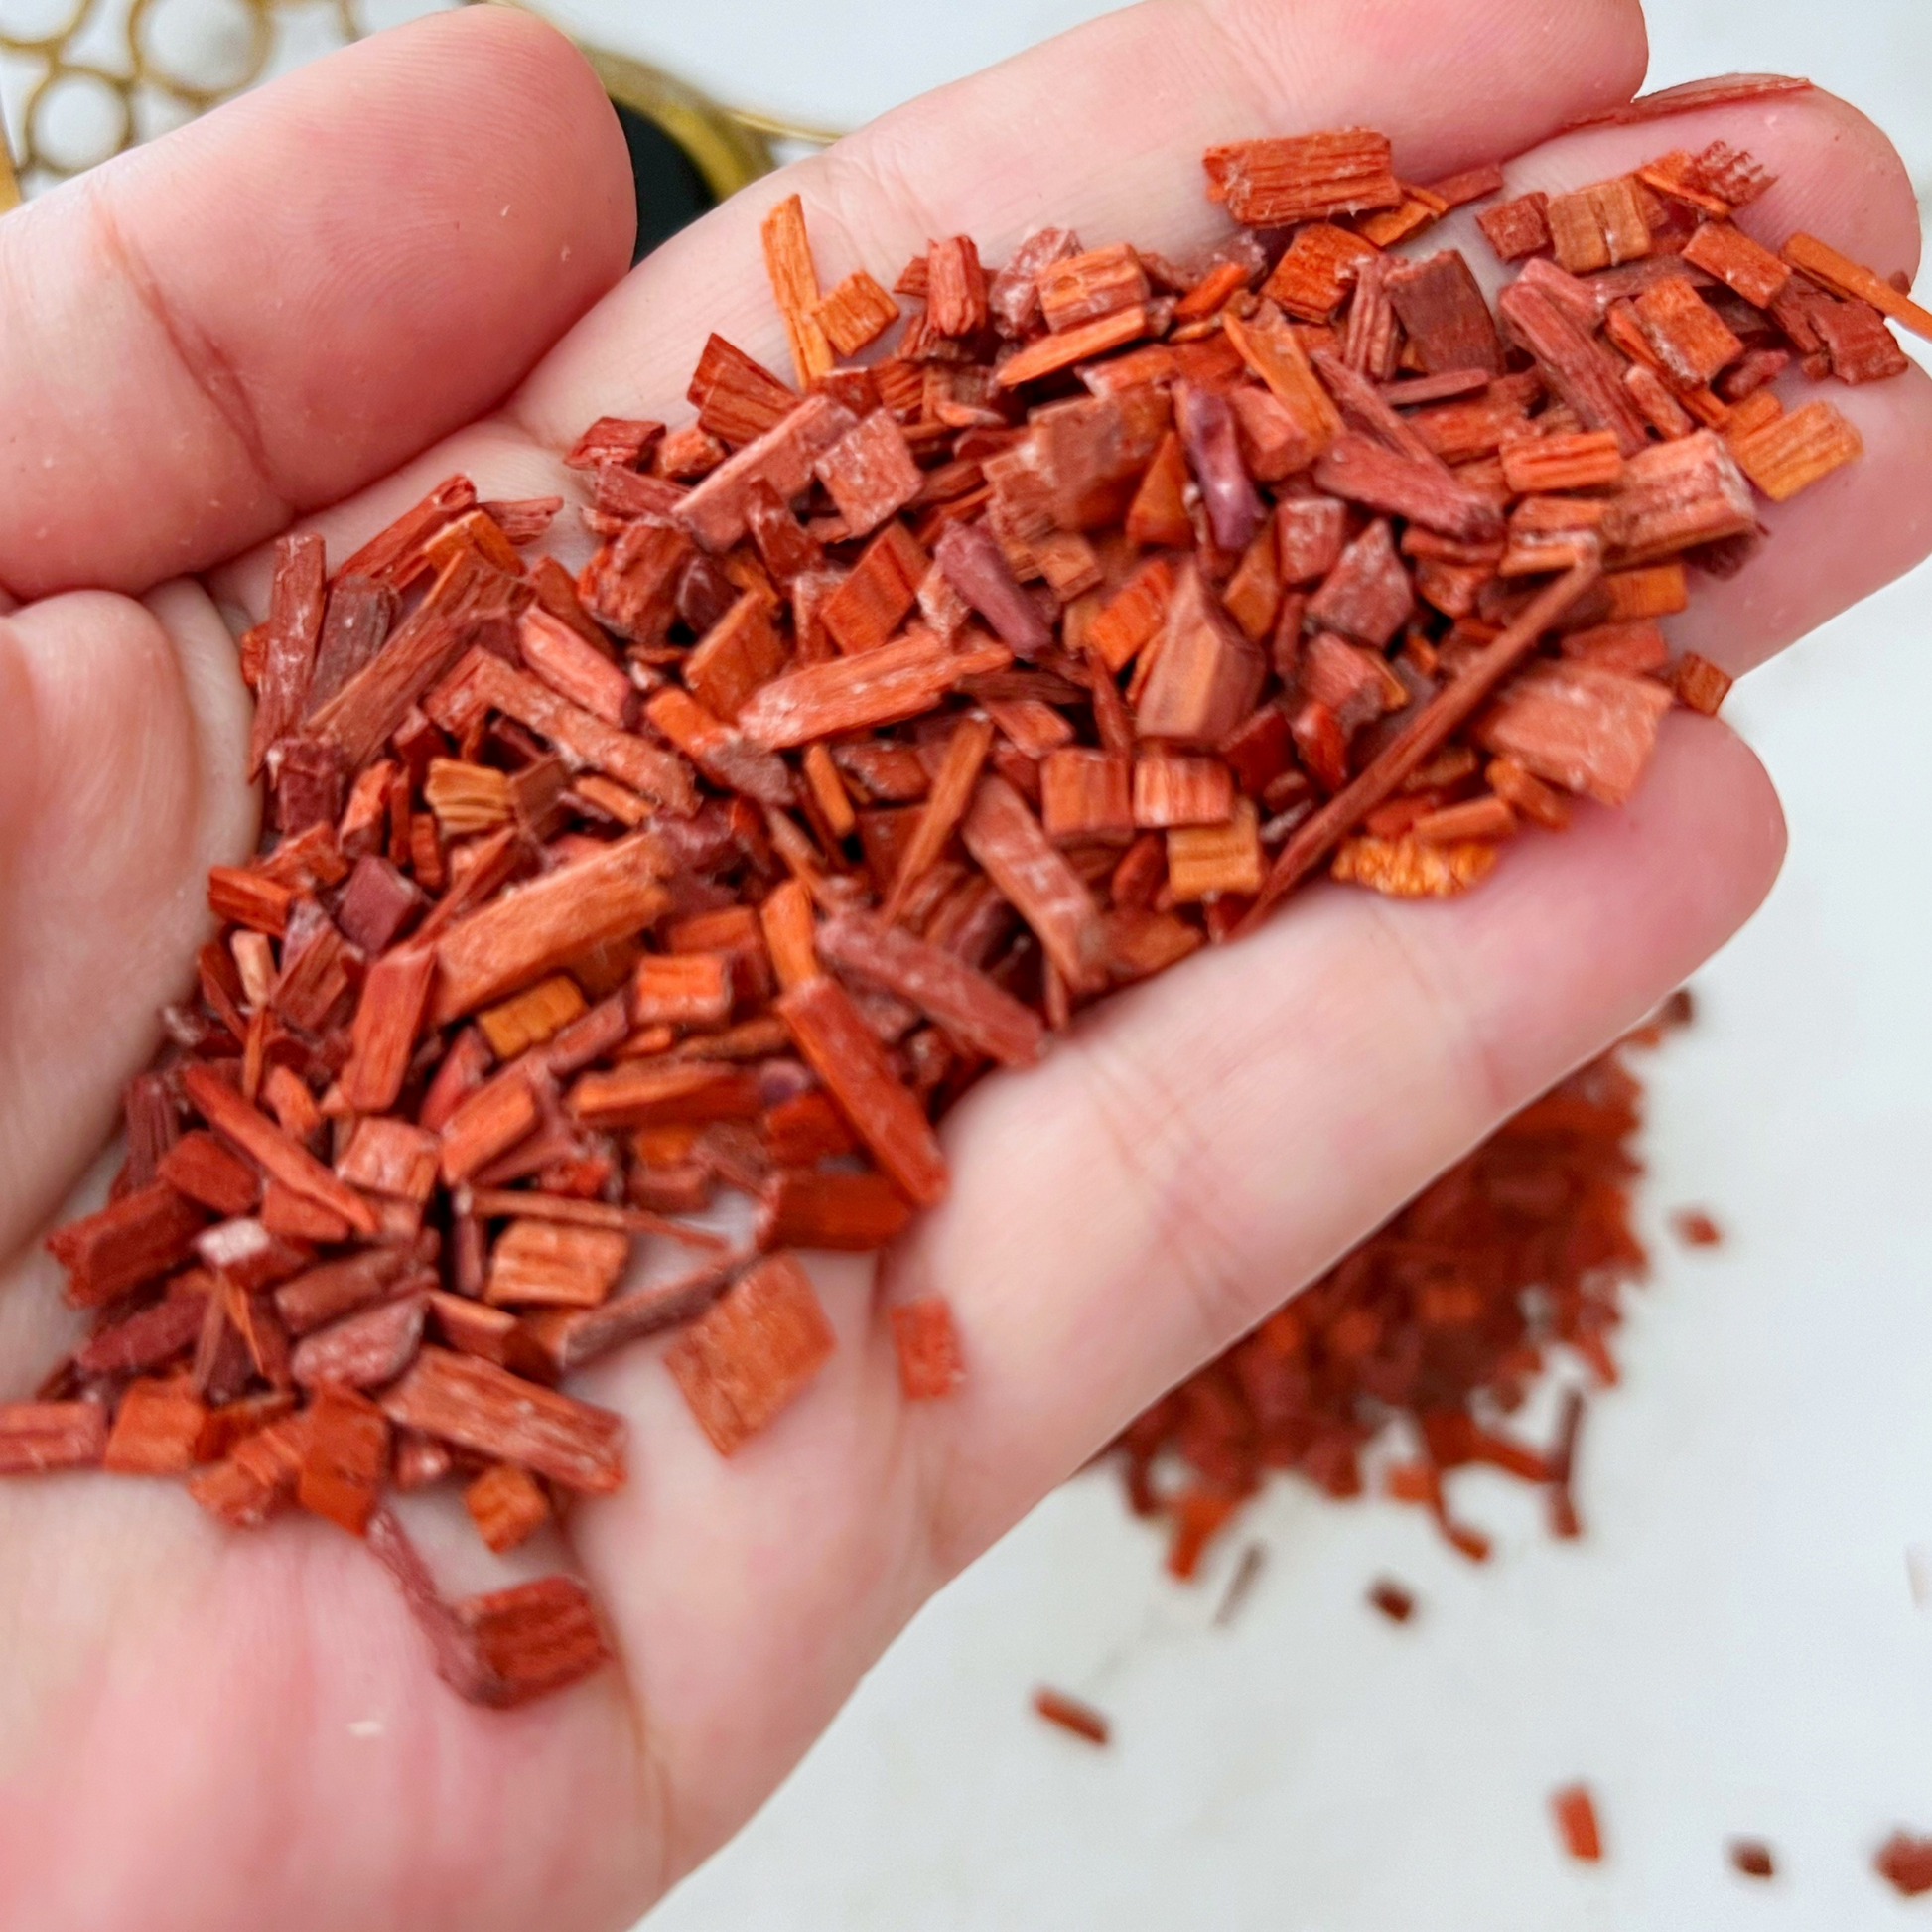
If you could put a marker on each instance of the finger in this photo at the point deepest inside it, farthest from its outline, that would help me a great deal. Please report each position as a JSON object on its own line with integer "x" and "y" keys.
{"x": 1216, "y": 1138}
{"x": 1101, "y": 129}
{"x": 124, "y": 782}
{"x": 1833, "y": 546}
{"x": 266, "y": 309}
{"x": 1839, "y": 177}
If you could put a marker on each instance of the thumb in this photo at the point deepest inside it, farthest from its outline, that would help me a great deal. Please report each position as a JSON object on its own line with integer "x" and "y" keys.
{"x": 123, "y": 733}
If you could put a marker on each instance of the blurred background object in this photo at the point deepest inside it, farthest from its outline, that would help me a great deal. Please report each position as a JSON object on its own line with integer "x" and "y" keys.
{"x": 81, "y": 79}
{"x": 1741, "y": 1645}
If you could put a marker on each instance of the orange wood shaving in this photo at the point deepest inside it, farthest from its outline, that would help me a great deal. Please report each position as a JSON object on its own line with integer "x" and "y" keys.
{"x": 794, "y": 288}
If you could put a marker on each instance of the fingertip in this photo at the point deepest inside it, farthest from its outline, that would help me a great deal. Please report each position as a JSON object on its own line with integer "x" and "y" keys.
{"x": 1633, "y": 899}
{"x": 567, "y": 120}
{"x": 1846, "y": 537}
{"x": 1844, "y": 180}
{"x": 1603, "y": 44}
{"x": 1729, "y": 806}
{"x": 1838, "y": 174}
{"x": 273, "y": 306}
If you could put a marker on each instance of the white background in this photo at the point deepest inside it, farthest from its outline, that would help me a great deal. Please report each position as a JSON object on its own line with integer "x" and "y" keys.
{"x": 1735, "y": 1647}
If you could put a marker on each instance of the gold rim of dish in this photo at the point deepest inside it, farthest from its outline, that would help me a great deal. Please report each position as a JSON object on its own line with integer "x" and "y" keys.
{"x": 9, "y": 182}
{"x": 729, "y": 146}
{"x": 722, "y": 147}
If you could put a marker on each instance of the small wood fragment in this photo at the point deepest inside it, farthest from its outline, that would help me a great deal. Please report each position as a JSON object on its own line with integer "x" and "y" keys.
{"x": 878, "y": 687}
{"x": 827, "y": 1209}
{"x": 507, "y": 1507}
{"x": 956, "y": 287}
{"x": 282, "y": 1159}
{"x": 1393, "y": 1601}
{"x": 363, "y": 1350}
{"x": 1740, "y": 263}
{"x": 1598, "y": 226}
{"x": 665, "y": 1093}
{"x": 1700, "y": 685}
{"x": 1269, "y": 184}
{"x": 537, "y": 1263}
{"x": 1204, "y": 861}
{"x": 1792, "y": 452}
{"x": 869, "y": 473}
{"x": 1578, "y": 725}
{"x": 1007, "y": 842}
{"x": 1316, "y": 271}
{"x": 969, "y": 1006}
{"x": 714, "y": 514}
{"x": 855, "y": 313}
{"x": 1085, "y": 794}
{"x": 344, "y": 1458}
{"x": 752, "y": 1354}
{"x": 526, "y": 933}
{"x": 1054, "y": 353}
{"x": 929, "y": 1365}
{"x": 794, "y": 288}
{"x": 143, "y": 1234}
{"x": 1904, "y": 1862}
{"x": 845, "y": 1054}
{"x": 156, "y": 1429}
{"x": 1575, "y": 1811}
{"x": 479, "y": 1406}
{"x": 36, "y": 1437}
{"x": 1519, "y": 227}
{"x": 1082, "y": 288}
{"x": 294, "y": 614}
{"x": 259, "y": 1475}
{"x": 530, "y": 1640}
{"x": 1070, "y": 1714}
{"x": 1695, "y": 1229}
{"x": 738, "y": 399}
{"x": 952, "y": 790}
{"x": 975, "y": 567}
{"x": 1849, "y": 278}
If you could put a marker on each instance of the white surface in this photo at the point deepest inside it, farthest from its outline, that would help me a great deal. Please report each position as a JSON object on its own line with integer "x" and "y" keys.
{"x": 1735, "y": 1648}
{"x": 841, "y": 62}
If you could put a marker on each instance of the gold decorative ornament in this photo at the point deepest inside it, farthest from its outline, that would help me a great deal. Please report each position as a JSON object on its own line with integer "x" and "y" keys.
{"x": 723, "y": 149}
{"x": 115, "y": 51}
{"x": 9, "y": 183}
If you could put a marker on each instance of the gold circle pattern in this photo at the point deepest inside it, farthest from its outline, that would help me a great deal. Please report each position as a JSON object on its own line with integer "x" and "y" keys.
{"x": 104, "y": 42}
{"x": 261, "y": 38}
{"x": 131, "y": 70}
{"x": 42, "y": 96}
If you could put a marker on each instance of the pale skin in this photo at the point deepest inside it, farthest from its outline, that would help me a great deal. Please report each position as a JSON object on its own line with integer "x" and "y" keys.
{"x": 408, "y": 260}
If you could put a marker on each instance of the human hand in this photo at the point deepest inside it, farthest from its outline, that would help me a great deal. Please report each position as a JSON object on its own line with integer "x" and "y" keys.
{"x": 399, "y": 263}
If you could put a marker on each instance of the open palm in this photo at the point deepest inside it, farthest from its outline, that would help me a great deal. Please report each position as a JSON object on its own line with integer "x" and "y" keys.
{"x": 408, "y": 260}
